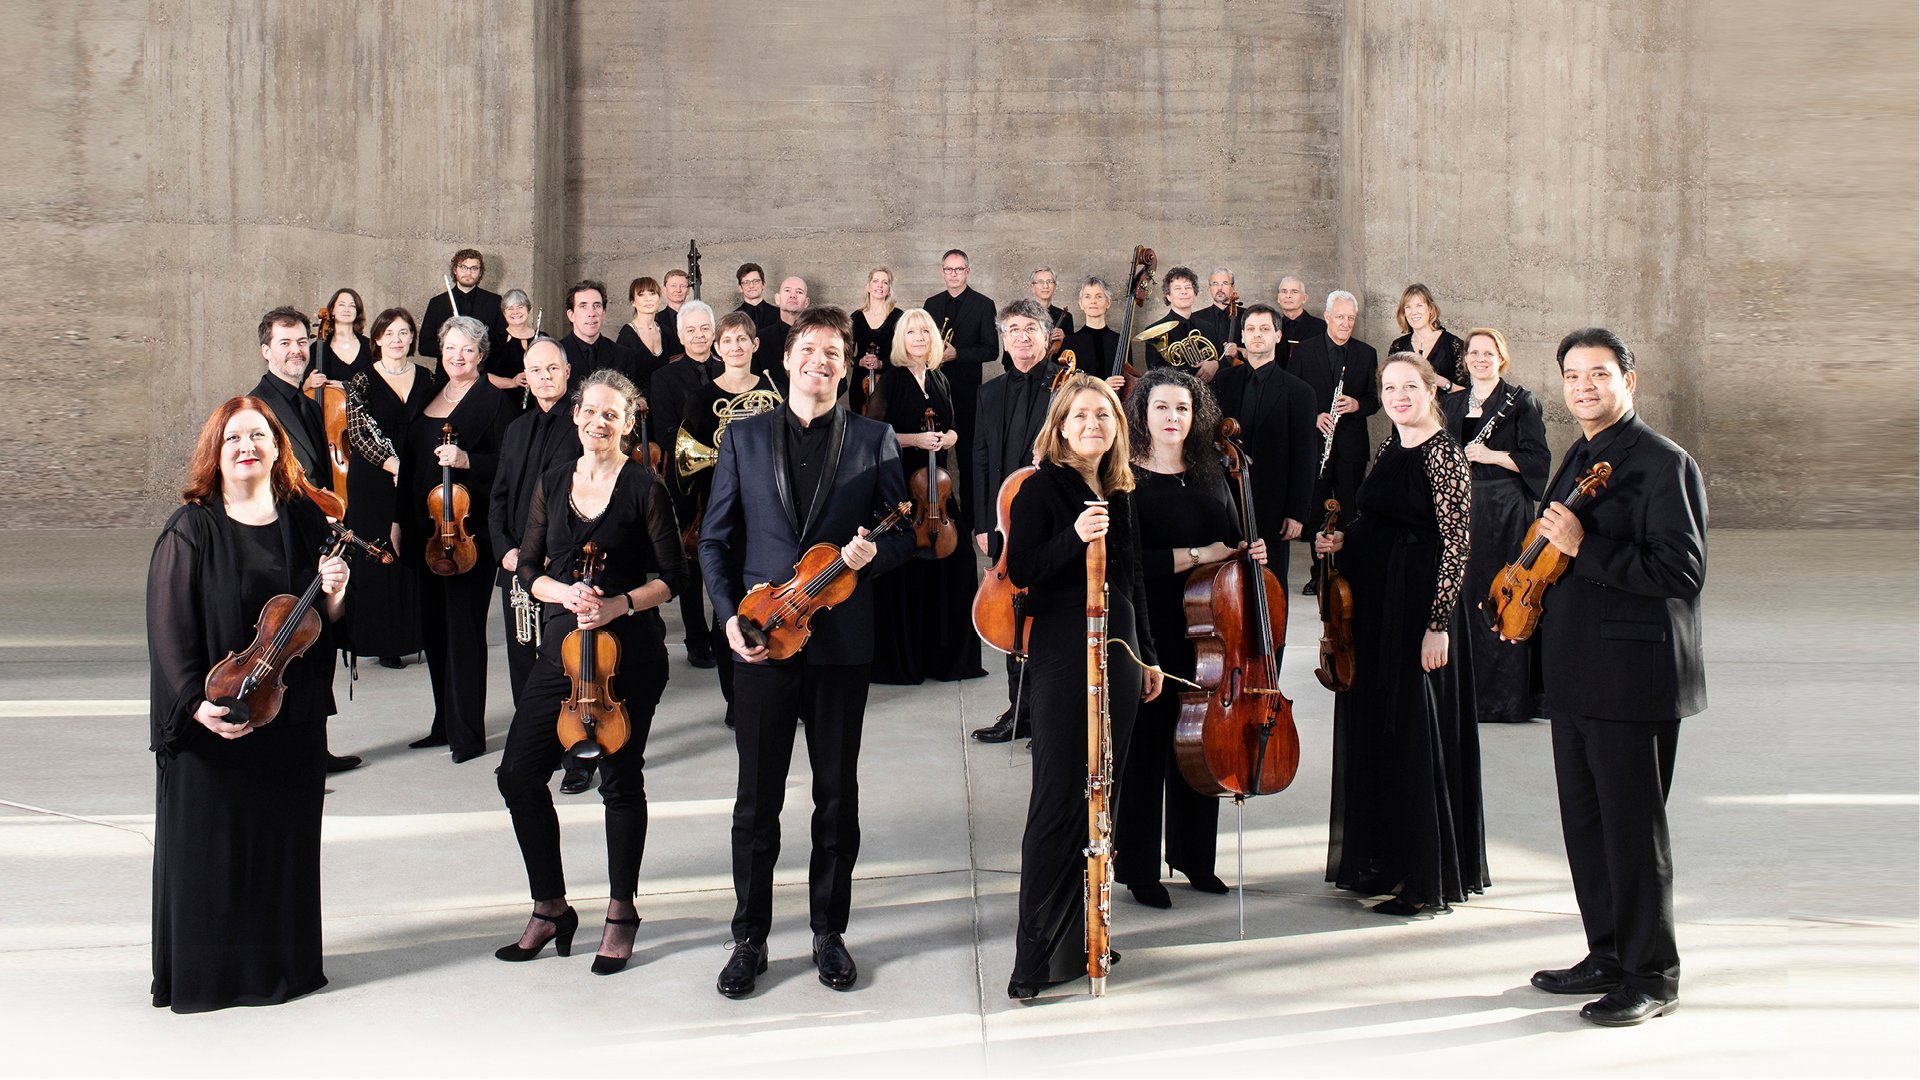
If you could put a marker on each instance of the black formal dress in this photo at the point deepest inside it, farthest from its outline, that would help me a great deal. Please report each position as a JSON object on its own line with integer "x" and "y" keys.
{"x": 1621, "y": 664}
{"x": 533, "y": 444}
{"x": 1448, "y": 355}
{"x": 1276, "y": 412}
{"x": 877, "y": 340}
{"x": 476, "y": 303}
{"x": 1503, "y": 503}
{"x": 1094, "y": 349}
{"x": 1048, "y": 558}
{"x": 339, "y": 368}
{"x": 305, "y": 429}
{"x": 674, "y": 387}
{"x": 779, "y": 488}
{"x": 641, "y": 541}
{"x": 641, "y": 362}
{"x": 453, "y": 609}
{"x": 507, "y": 358}
{"x": 976, "y": 343}
{"x": 383, "y": 606}
{"x": 1176, "y": 512}
{"x": 236, "y": 853}
{"x": 924, "y": 610}
{"x": 1407, "y": 815}
{"x": 1294, "y": 331}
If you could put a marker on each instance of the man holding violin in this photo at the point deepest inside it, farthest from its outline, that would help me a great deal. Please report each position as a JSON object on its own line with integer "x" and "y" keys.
{"x": 1621, "y": 665}
{"x": 809, "y": 472}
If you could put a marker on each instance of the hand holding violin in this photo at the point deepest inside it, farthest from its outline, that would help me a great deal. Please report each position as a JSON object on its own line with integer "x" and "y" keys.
{"x": 1329, "y": 543}
{"x": 448, "y": 455}
{"x": 212, "y": 717}
{"x": 1562, "y": 529}
{"x": 859, "y": 551}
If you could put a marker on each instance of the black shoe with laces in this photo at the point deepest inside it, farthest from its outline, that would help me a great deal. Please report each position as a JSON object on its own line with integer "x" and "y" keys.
{"x": 749, "y": 959}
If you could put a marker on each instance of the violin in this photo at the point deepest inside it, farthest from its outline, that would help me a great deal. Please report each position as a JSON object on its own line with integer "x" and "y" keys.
{"x": 1139, "y": 277}
{"x": 1514, "y": 600}
{"x": 645, "y": 452}
{"x": 287, "y": 628}
{"x": 451, "y": 549}
{"x": 998, "y": 605}
{"x": 332, "y": 401}
{"x": 1336, "y": 616}
{"x": 869, "y": 386}
{"x": 592, "y": 722}
{"x": 1069, "y": 366}
{"x": 780, "y": 617}
{"x": 930, "y": 488}
{"x": 1235, "y": 736}
{"x": 1233, "y": 316}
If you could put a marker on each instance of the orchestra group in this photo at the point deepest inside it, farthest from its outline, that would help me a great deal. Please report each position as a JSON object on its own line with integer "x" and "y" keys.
{"x": 803, "y": 482}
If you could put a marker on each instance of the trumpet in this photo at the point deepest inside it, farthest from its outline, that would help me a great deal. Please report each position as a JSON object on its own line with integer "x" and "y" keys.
{"x": 526, "y": 613}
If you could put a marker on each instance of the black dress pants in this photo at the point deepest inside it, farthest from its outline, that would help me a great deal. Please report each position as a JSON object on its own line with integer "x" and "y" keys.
{"x": 1613, "y": 778}
{"x": 769, "y": 701}
{"x": 1153, "y": 781}
{"x": 533, "y": 752}
{"x": 520, "y": 658}
{"x": 693, "y": 609}
{"x": 453, "y": 625}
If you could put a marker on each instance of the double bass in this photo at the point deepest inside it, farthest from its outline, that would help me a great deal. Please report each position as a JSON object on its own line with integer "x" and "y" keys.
{"x": 1336, "y": 616}
{"x": 592, "y": 722}
{"x": 1139, "y": 277}
{"x": 998, "y": 605}
{"x": 931, "y": 487}
{"x": 1235, "y": 736}
{"x": 450, "y": 550}
{"x": 780, "y": 617}
{"x": 1513, "y": 601}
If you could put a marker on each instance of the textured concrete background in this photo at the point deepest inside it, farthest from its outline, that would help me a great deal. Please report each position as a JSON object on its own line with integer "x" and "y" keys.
{"x": 1731, "y": 185}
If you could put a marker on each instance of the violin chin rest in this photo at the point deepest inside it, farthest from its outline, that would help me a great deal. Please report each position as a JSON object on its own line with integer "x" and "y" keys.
{"x": 585, "y": 750}
{"x": 237, "y": 711}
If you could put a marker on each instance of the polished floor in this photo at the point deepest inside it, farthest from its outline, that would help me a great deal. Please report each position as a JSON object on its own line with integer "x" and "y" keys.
{"x": 1796, "y": 826}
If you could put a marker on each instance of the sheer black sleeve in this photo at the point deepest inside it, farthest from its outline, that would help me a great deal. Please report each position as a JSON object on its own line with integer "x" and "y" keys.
{"x": 663, "y": 531}
{"x": 533, "y": 546}
{"x": 1452, "y": 498}
{"x": 176, "y": 639}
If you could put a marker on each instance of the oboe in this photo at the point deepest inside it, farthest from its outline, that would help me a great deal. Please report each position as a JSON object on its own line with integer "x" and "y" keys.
{"x": 526, "y": 613}
{"x": 1326, "y": 451}
{"x": 1486, "y": 429}
{"x": 1099, "y": 850}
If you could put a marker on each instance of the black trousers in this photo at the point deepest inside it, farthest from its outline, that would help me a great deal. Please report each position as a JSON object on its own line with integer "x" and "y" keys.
{"x": 693, "y": 609}
{"x": 520, "y": 658}
{"x": 723, "y": 662}
{"x": 1015, "y": 692}
{"x": 533, "y": 752}
{"x": 1153, "y": 781}
{"x": 453, "y": 624}
{"x": 1613, "y": 778}
{"x": 769, "y": 701}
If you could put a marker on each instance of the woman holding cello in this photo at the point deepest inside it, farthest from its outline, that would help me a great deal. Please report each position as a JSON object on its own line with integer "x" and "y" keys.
{"x": 237, "y": 931}
{"x": 1406, "y": 817}
{"x": 1187, "y": 520}
{"x": 453, "y": 604}
{"x": 1082, "y": 492}
{"x": 923, "y": 610}
{"x": 620, "y": 508}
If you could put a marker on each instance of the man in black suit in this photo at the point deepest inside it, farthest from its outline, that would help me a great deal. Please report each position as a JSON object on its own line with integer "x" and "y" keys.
{"x": 1044, "y": 284}
{"x": 674, "y": 385}
{"x": 1297, "y": 324}
{"x": 467, "y": 268}
{"x": 1181, "y": 288}
{"x": 753, "y": 290}
{"x": 965, "y": 319}
{"x": 807, "y": 473}
{"x": 1212, "y": 319}
{"x": 588, "y": 350}
{"x": 1337, "y": 359}
{"x": 1276, "y": 414}
{"x": 284, "y": 345}
{"x": 542, "y": 437}
{"x": 675, "y": 287}
{"x": 1621, "y": 666}
{"x": 1012, "y": 409}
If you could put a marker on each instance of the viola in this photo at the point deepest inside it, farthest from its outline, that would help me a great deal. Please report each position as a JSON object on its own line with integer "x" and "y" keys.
{"x": 288, "y": 626}
{"x": 451, "y": 550}
{"x": 645, "y": 452}
{"x": 332, "y": 403}
{"x": 1139, "y": 277}
{"x": 780, "y": 617}
{"x": 1336, "y": 616}
{"x": 1069, "y": 367}
{"x": 869, "y": 384}
{"x": 1514, "y": 600}
{"x": 1235, "y": 736}
{"x": 930, "y": 487}
{"x": 1233, "y": 316}
{"x": 592, "y": 722}
{"x": 998, "y": 615}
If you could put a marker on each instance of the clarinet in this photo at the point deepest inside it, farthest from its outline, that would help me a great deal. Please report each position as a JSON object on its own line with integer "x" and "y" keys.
{"x": 1486, "y": 429}
{"x": 1326, "y": 452}
{"x": 1099, "y": 850}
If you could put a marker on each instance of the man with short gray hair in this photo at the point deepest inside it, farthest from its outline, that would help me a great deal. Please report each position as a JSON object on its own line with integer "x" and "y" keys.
{"x": 1337, "y": 359}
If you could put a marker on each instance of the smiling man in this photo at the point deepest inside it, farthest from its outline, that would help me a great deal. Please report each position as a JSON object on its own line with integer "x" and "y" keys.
{"x": 588, "y": 350}
{"x": 809, "y": 472}
{"x": 466, "y": 268}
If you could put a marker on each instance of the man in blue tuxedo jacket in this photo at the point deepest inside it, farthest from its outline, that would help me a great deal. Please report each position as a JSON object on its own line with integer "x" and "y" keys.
{"x": 807, "y": 473}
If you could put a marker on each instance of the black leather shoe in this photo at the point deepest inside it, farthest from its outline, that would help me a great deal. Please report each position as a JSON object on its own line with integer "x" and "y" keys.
{"x": 431, "y": 740}
{"x": 1207, "y": 883}
{"x": 1585, "y": 977}
{"x": 747, "y": 961}
{"x": 700, "y": 655}
{"x": 1625, "y": 1007}
{"x": 343, "y": 762}
{"x": 460, "y": 756}
{"x": 1003, "y": 729}
{"x": 396, "y": 663}
{"x": 830, "y": 955}
{"x": 1152, "y": 894}
{"x": 1308, "y": 589}
{"x": 576, "y": 779}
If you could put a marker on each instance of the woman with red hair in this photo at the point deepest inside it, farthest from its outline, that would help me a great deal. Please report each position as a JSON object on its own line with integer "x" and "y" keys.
{"x": 236, "y": 854}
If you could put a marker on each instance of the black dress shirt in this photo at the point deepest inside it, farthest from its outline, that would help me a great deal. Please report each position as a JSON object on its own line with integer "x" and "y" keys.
{"x": 584, "y": 358}
{"x": 807, "y": 446}
{"x": 1581, "y": 456}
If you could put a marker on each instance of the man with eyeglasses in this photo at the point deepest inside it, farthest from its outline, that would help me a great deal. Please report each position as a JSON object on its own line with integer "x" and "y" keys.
{"x": 965, "y": 319}
{"x": 468, "y": 267}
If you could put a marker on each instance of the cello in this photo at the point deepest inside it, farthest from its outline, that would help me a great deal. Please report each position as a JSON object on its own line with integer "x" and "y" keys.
{"x": 451, "y": 550}
{"x": 1235, "y": 736}
{"x": 998, "y": 605}
{"x": 930, "y": 487}
{"x": 1513, "y": 602}
{"x": 780, "y": 617}
{"x": 592, "y": 722}
{"x": 1139, "y": 276}
{"x": 1336, "y": 616}
{"x": 287, "y": 628}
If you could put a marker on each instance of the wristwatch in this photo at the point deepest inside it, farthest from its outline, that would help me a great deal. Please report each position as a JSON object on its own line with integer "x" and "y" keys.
{"x": 1194, "y": 554}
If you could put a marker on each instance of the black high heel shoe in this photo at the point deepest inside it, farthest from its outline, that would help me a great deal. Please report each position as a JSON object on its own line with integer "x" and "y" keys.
{"x": 564, "y": 924}
{"x": 613, "y": 965}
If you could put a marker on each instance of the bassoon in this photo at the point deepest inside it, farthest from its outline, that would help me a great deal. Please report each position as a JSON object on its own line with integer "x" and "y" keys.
{"x": 1099, "y": 850}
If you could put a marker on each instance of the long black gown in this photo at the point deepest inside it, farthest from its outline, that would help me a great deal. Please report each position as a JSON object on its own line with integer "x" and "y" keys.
{"x": 1503, "y": 507}
{"x": 1406, "y": 816}
{"x": 1046, "y": 556}
{"x": 641, "y": 361}
{"x": 1176, "y": 513}
{"x": 384, "y": 605}
{"x": 236, "y": 858}
{"x": 923, "y": 611}
{"x": 877, "y": 339}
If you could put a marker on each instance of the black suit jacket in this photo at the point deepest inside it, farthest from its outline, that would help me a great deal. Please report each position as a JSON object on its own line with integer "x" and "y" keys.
{"x": 533, "y": 444}
{"x": 479, "y": 304}
{"x": 975, "y": 340}
{"x": 991, "y": 464}
{"x": 753, "y": 533}
{"x": 1619, "y": 636}
{"x": 301, "y": 417}
{"x": 1284, "y": 444}
{"x": 1312, "y": 363}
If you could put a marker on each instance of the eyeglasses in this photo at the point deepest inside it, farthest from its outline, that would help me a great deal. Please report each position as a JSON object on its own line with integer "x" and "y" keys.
{"x": 475, "y": 267}
{"x": 953, "y": 269}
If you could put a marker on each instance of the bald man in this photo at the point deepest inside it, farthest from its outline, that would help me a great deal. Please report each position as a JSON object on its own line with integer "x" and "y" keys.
{"x": 540, "y": 439}
{"x": 790, "y": 301}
